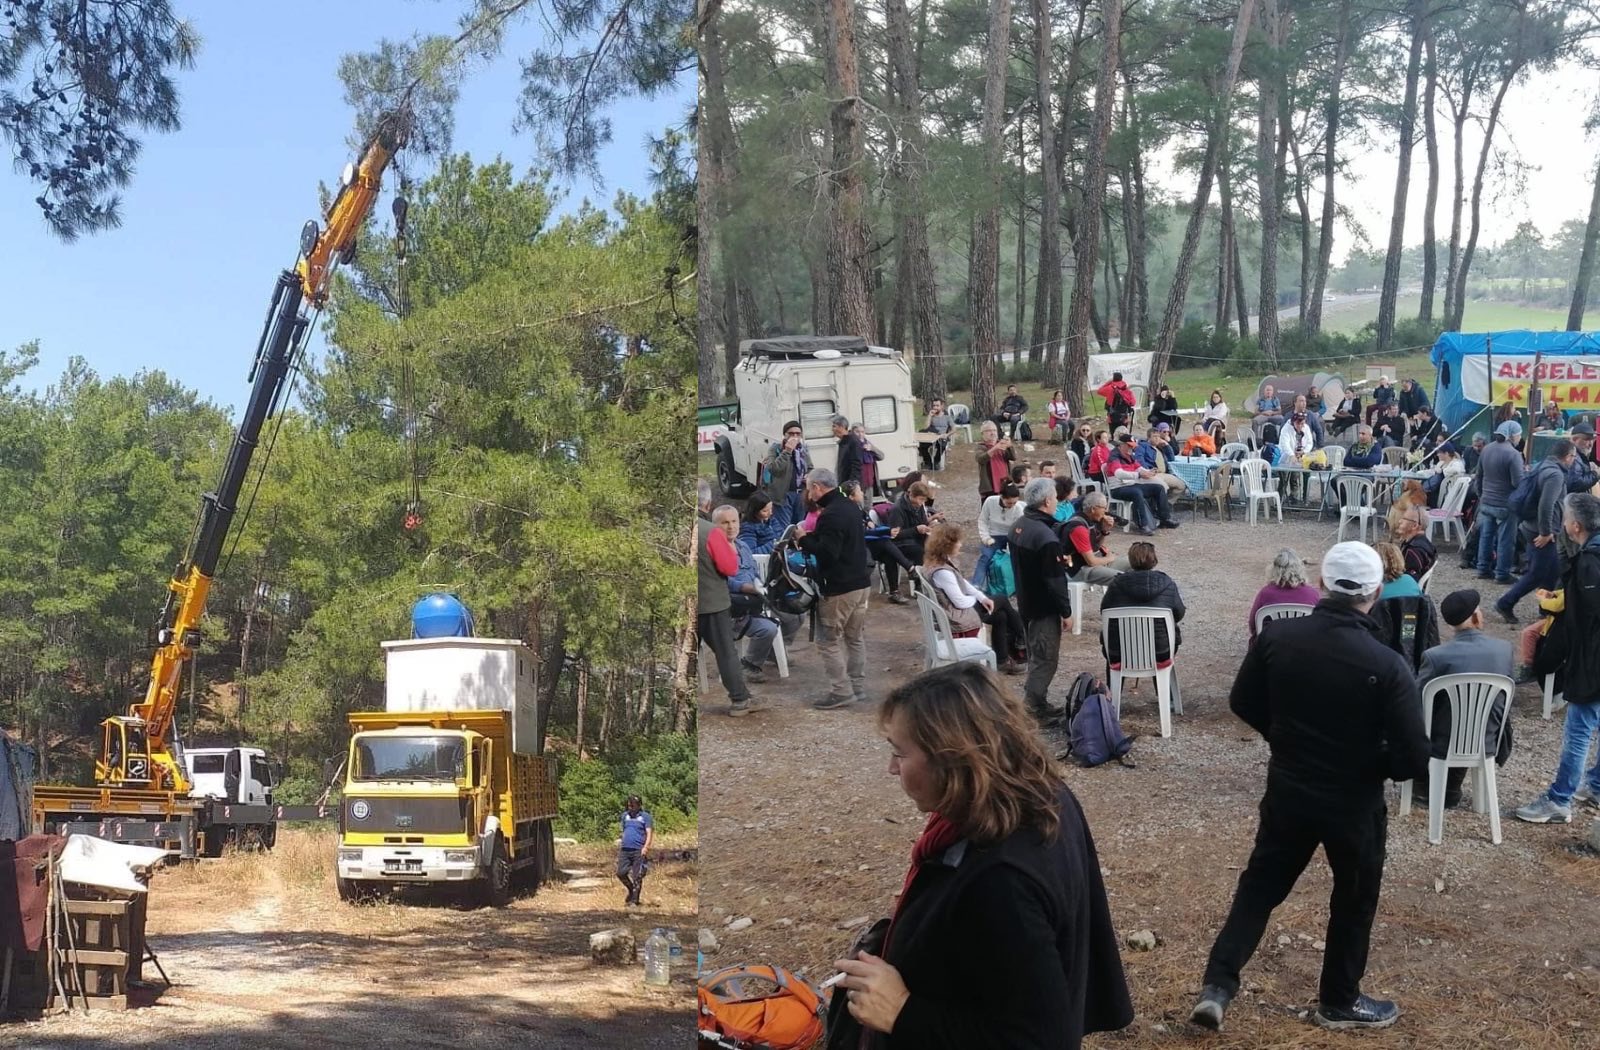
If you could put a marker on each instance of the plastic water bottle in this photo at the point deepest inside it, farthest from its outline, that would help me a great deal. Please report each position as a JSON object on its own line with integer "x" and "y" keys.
{"x": 657, "y": 959}
{"x": 674, "y": 951}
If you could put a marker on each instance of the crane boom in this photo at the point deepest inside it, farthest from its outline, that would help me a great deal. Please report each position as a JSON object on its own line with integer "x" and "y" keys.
{"x": 140, "y": 748}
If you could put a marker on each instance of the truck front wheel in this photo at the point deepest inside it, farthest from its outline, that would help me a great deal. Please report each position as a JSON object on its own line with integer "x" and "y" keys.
{"x": 353, "y": 891}
{"x": 497, "y": 880}
{"x": 732, "y": 483}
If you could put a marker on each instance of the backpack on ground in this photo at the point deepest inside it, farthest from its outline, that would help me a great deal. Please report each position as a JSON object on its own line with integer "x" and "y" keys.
{"x": 1083, "y": 687}
{"x": 1095, "y": 734}
{"x": 758, "y": 1007}
{"x": 1026, "y": 431}
{"x": 788, "y": 587}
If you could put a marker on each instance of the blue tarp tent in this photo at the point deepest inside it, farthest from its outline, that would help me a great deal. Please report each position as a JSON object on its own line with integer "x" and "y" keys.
{"x": 1569, "y": 370}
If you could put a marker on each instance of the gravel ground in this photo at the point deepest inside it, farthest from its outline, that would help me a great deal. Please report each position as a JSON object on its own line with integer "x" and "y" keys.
{"x": 804, "y": 832}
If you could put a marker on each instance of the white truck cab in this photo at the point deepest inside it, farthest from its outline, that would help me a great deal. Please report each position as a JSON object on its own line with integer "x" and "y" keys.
{"x": 240, "y": 775}
{"x": 812, "y": 378}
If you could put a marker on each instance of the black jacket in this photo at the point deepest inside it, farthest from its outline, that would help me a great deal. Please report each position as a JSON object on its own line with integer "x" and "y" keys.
{"x": 840, "y": 544}
{"x": 1151, "y": 587}
{"x": 906, "y": 518}
{"x": 849, "y": 458}
{"x": 1165, "y": 410}
{"x": 1411, "y": 400}
{"x": 1010, "y": 946}
{"x": 1580, "y": 624}
{"x": 1339, "y": 709}
{"x": 1036, "y": 563}
{"x": 1409, "y": 626}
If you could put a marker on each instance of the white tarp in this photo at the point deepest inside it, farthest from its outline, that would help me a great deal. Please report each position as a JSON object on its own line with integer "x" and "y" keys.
{"x": 107, "y": 865}
{"x": 1134, "y": 366}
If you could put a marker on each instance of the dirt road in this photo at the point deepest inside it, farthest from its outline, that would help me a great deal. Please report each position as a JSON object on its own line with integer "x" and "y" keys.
{"x": 263, "y": 954}
{"x": 804, "y": 832}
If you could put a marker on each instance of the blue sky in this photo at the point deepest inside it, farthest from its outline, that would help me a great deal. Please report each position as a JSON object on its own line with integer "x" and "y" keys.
{"x": 215, "y": 209}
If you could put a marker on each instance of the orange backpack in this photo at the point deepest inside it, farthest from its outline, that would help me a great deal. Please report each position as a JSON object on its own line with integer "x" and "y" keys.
{"x": 759, "y": 1007}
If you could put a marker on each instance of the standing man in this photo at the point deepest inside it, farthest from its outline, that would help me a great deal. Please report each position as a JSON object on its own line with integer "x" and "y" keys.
{"x": 1119, "y": 401}
{"x": 995, "y": 457}
{"x": 632, "y": 859}
{"x": 1469, "y": 652}
{"x": 840, "y": 546}
{"x": 1544, "y": 557}
{"x": 716, "y": 563}
{"x": 1042, "y": 595}
{"x": 785, "y": 468}
{"x": 1499, "y": 473}
{"x": 1340, "y": 712}
{"x": 1013, "y": 410}
{"x": 850, "y": 451}
{"x": 1579, "y": 625}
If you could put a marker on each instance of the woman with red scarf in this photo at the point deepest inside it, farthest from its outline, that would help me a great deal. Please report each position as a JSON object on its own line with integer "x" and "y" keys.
{"x": 1002, "y": 936}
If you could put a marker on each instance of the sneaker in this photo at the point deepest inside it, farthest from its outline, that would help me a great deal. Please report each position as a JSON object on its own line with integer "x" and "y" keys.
{"x": 832, "y": 701}
{"x": 1508, "y": 615}
{"x": 896, "y": 598}
{"x": 1545, "y": 811}
{"x": 1169, "y": 524}
{"x": 1523, "y": 674}
{"x": 1207, "y": 1013}
{"x": 1587, "y": 794}
{"x": 1012, "y": 667}
{"x": 1505, "y": 581}
{"x": 752, "y": 673}
{"x": 1485, "y": 575}
{"x": 1144, "y": 532}
{"x": 1365, "y": 1012}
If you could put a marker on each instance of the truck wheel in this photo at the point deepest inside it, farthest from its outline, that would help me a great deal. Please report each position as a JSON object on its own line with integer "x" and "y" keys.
{"x": 269, "y": 835}
{"x": 732, "y": 483}
{"x": 215, "y": 839}
{"x": 353, "y": 891}
{"x": 497, "y": 880}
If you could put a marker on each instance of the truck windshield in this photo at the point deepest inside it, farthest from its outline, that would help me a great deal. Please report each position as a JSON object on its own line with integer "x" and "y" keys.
{"x": 410, "y": 758}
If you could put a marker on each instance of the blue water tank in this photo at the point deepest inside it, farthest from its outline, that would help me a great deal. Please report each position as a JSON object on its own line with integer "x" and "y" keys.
{"x": 440, "y": 616}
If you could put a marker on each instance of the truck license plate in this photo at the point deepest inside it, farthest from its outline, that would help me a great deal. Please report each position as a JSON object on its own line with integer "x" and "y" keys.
{"x": 402, "y": 867}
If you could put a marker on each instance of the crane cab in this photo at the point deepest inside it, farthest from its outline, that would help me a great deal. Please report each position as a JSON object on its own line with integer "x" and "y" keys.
{"x": 125, "y": 759}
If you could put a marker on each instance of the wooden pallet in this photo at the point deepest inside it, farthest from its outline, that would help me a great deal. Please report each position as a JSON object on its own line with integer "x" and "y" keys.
{"x": 99, "y": 949}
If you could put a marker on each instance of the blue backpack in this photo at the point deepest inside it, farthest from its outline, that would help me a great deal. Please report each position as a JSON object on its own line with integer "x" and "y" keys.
{"x": 1525, "y": 497}
{"x": 1096, "y": 735}
{"x": 1001, "y": 581}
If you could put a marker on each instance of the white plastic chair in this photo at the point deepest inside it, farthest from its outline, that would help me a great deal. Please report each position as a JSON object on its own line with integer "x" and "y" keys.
{"x": 1552, "y": 699}
{"x": 1357, "y": 497}
{"x": 1281, "y": 611}
{"x": 1136, "y": 637}
{"x": 921, "y": 578}
{"x": 956, "y": 411}
{"x": 1122, "y": 508}
{"x": 1448, "y": 513}
{"x": 1084, "y": 482}
{"x": 1395, "y": 456}
{"x": 939, "y": 644}
{"x": 1259, "y": 487}
{"x": 779, "y": 653}
{"x": 1472, "y": 700}
{"x": 1076, "y": 590}
{"x": 1427, "y": 577}
{"x": 1335, "y": 454}
{"x": 1231, "y": 447}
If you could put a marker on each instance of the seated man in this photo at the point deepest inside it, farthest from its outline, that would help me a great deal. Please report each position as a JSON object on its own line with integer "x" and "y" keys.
{"x": 1469, "y": 652}
{"x": 1347, "y": 415}
{"x": 1391, "y": 428}
{"x": 1426, "y": 430}
{"x": 1365, "y": 453}
{"x": 752, "y": 620}
{"x": 1302, "y": 405}
{"x": 1082, "y": 544}
{"x": 1151, "y": 455}
{"x": 1551, "y": 418}
{"x": 1151, "y": 504}
{"x": 1268, "y": 408}
{"x": 1013, "y": 410}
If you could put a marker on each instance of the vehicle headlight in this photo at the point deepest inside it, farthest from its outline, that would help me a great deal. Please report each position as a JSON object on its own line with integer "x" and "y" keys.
{"x": 460, "y": 856}
{"x": 349, "y": 856}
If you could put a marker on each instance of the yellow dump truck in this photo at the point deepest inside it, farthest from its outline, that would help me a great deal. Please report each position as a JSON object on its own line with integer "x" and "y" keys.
{"x": 450, "y": 782}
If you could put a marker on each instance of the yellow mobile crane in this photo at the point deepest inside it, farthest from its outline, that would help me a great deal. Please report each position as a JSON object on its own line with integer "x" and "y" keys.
{"x": 145, "y": 787}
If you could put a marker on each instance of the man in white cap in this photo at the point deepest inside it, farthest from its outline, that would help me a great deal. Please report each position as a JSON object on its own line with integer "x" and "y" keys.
{"x": 1341, "y": 713}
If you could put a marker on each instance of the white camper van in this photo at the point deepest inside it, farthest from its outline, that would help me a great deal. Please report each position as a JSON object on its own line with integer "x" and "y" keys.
{"x": 812, "y": 378}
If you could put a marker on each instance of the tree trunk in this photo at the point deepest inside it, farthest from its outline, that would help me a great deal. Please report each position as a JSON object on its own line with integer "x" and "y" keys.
{"x": 1304, "y": 206}
{"x": 1390, "y": 294}
{"x": 715, "y": 313}
{"x": 1022, "y": 248}
{"x": 583, "y": 703}
{"x": 1240, "y": 303}
{"x": 1172, "y": 316}
{"x": 1047, "y": 286}
{"x": 1219, "y": 320}
{"x": 1313, "y": 318}
{"x": 1453, "y": 321}
{"x": 1113, "y": 280}
{"x": 1459, "y": 117}
{"x": 849, "y": 270}
{"x": 986, "y": 247}
{"x": 1430, "y": 132}
{"x": 1086, "y": 245}
{"x": 1591, "y": 236}
{"x": 913, "y": 167}
{"x": 1267, "y": 186}
{"x": 1133, "y": 217}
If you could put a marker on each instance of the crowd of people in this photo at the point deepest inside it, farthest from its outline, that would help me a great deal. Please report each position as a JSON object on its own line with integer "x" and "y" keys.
{"x": 1337, "y": 693}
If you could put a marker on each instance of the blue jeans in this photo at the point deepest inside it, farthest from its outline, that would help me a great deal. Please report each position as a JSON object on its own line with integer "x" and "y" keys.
{"x": 1544, "y": 570}
{"x": 1582, "y": 720}
{"x": 1497, "y": 537}
{"x": 980, "y": 574}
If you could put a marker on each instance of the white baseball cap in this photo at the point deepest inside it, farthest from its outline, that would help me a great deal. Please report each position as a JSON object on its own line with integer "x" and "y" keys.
{"x": 1352, "y": 568}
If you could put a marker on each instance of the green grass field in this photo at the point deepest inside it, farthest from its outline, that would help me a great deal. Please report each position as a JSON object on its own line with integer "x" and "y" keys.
{"x": 1349, "y": 317}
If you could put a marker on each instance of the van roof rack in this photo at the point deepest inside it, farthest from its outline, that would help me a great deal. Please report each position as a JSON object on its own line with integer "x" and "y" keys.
{"x": 803, "y": 346}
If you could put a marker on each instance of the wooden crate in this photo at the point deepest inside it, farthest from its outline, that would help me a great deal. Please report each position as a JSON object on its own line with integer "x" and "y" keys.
{"x": 100, "y": 950}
